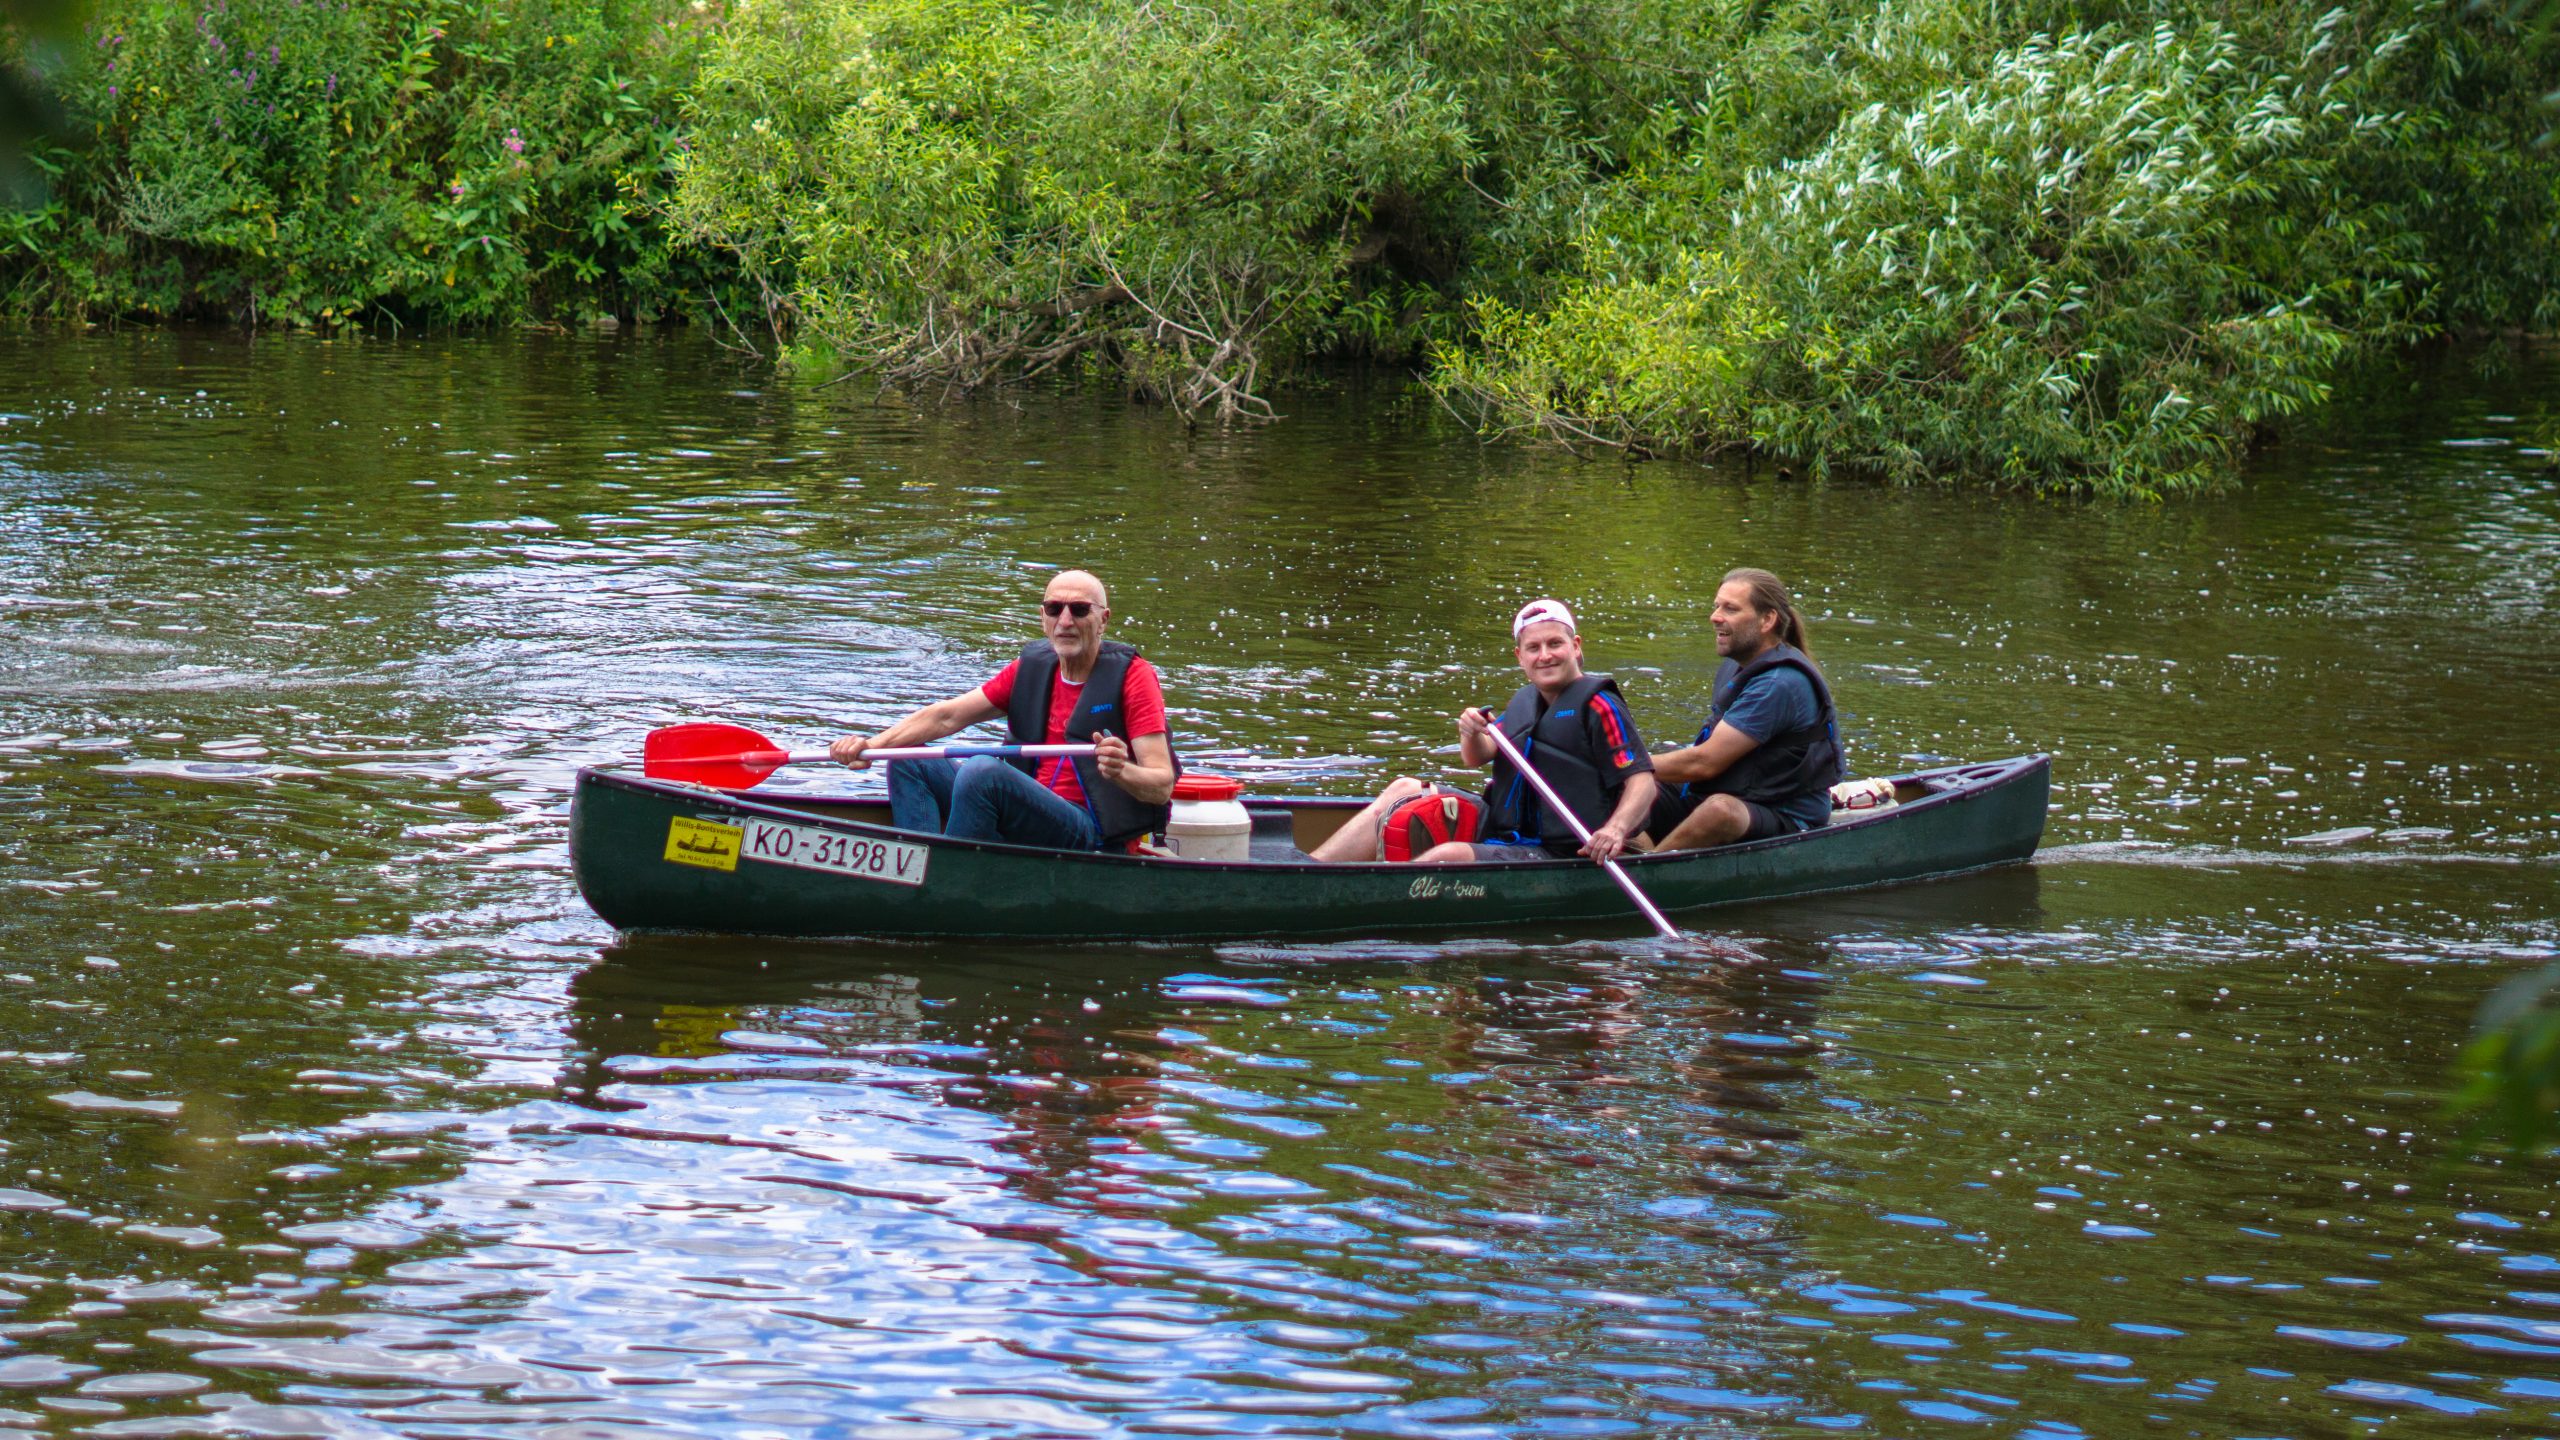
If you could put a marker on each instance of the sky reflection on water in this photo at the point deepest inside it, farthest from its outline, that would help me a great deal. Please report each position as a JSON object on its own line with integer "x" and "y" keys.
{"x": 331, "y": 1110}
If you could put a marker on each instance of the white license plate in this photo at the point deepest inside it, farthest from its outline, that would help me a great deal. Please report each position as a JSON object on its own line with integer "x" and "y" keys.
{"x": 864, "y": 858}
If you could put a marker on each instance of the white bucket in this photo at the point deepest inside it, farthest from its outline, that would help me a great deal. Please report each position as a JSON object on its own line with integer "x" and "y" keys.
{"x": 1209, "y": 822}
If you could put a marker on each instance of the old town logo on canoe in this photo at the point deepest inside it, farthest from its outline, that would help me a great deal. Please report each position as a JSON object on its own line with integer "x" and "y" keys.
{"x": 706, "y": 843}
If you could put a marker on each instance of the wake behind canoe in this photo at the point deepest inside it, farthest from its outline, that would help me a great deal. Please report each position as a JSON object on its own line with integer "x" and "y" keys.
{"x": 654, "y": 855}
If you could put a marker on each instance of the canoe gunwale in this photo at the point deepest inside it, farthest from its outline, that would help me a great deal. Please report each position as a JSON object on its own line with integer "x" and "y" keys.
{"x": 1949, "y": 785}
{"x": 1972, "y": 817}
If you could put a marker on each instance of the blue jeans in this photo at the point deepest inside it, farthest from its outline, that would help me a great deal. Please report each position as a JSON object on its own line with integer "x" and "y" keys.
{"x": 983, "y": 798}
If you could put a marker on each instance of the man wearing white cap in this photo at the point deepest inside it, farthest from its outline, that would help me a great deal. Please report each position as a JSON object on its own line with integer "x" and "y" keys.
{"x": 1575, "y": 730}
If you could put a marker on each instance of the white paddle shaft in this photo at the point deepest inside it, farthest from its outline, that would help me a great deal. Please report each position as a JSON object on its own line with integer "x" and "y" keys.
{"x": 1581, "y": 831}
{"x": 946, "y": 752}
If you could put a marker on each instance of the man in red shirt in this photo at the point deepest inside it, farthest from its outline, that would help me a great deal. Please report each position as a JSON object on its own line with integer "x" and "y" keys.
{"x": 1071, "y": 686}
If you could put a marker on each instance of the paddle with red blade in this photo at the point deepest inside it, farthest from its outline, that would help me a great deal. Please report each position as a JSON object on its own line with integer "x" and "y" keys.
{"x": 733, "y": 757}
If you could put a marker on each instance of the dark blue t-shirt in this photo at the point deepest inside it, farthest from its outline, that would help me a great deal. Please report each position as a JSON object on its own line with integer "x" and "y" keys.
{"x": 1777, "y": 701}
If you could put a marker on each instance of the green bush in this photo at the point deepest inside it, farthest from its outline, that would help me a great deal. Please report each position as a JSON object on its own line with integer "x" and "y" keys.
{"x": 1191, "y": 194}
{"x": 1620, "y": 364}
{"x": 444, "y": 161}
{"x": 2063, "y": 271}
{"x": 1191, "y": 198}
{"x": 2062, "y": 244}
{"x": 2108, "y": 260}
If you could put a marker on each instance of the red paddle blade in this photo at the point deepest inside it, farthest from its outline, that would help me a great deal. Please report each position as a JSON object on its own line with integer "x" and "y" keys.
{"x": 725, "y": 757}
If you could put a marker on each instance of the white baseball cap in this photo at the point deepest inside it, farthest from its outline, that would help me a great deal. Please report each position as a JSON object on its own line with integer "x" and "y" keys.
{"x": 1541, "y": 612}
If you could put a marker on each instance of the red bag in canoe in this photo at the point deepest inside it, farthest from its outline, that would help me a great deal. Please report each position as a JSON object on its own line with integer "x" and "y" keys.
{"x": 1433, "y": 817}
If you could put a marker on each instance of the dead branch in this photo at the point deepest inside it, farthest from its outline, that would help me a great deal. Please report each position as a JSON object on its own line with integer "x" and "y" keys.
{"x": 1077, "y": 304}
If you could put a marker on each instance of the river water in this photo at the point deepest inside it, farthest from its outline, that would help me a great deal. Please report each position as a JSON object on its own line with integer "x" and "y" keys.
{"x": 332, "y": 1111}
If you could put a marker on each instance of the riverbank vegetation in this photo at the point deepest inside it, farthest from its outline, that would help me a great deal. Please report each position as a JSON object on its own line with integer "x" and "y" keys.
{"x": 423, "y": 162}
{"x": 2061, "y": 245}
{"x": 2047, "y": 243}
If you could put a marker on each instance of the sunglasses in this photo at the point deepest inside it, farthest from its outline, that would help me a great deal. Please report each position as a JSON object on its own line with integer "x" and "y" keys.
{"x": 1055, "y": 608}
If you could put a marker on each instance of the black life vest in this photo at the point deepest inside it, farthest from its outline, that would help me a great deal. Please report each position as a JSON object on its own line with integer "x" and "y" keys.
{"x": 1784, "y": 767}
{"x": 1555, "y": 742}
{"x": 1118, "y": 815}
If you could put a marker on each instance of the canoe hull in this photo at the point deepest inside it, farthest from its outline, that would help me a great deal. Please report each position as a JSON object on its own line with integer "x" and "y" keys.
{"x": 623, "y": 828}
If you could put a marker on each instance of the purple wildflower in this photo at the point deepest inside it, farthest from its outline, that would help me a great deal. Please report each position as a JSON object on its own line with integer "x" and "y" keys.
{"x": 457, "y": 189}
{"x": 514, "y": 142}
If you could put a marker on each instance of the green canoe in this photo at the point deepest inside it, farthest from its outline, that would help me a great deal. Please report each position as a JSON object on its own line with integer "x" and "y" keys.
{"x": 655, "y": 855}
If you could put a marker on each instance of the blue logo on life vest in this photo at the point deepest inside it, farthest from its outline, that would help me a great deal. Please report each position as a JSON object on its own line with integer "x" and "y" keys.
{"x": 1098, "y": 709}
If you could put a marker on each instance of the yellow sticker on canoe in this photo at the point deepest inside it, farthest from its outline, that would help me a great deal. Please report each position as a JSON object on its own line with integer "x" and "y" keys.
{"x": 706, "y": 843}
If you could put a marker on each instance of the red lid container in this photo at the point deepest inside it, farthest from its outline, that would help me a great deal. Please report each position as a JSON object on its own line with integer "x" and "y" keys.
{"x": 1207, "y": 787}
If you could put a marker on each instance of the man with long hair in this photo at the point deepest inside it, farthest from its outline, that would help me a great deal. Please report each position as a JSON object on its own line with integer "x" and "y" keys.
{"x": 1765, "y": 761}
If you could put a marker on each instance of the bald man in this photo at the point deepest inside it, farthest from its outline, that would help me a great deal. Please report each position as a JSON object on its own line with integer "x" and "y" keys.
{"x": 1069, "y": 687}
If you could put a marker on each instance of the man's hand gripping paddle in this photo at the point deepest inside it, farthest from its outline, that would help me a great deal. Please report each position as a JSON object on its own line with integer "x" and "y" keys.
{"x": 1547, "y": 793}
{"x": 733, "y": 757}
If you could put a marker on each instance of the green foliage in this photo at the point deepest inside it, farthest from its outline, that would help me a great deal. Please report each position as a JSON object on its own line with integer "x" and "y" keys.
{"x": 966, "y": 190}
{"x": 2107, "y": 260}
{"x": 1620, "y": 364}
{"x": 2511, "y": 1068}
{"x": 2094, "y": 263}
{"x": 2544, "y": 435}
{"x": 1559, "y": 98}
{"x": 2051, "y": 243}
{"x": 445, "y": 161}
{"x": 34, "y": 34}
{"x": 2059, "y": 244}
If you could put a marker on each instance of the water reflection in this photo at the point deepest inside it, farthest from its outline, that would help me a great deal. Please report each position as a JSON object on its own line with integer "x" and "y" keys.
{"x": 852, "y": 1193}
{"x": 329, "y": 1109}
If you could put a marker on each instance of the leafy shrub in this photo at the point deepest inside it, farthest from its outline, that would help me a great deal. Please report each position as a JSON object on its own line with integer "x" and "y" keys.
{"x": 1192, "y": 197}
{"x": 302, "y": 160}
{"x": 1191, "y": 194}
{"x": 2065, "y": 244}
{"x": 2055, "y": 273}
{"x": 2107, "y": 260}
{"x": 1620, "y": 364}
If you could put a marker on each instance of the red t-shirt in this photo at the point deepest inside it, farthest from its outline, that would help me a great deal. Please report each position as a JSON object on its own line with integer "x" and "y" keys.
{"x": 1141, "y": 713}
